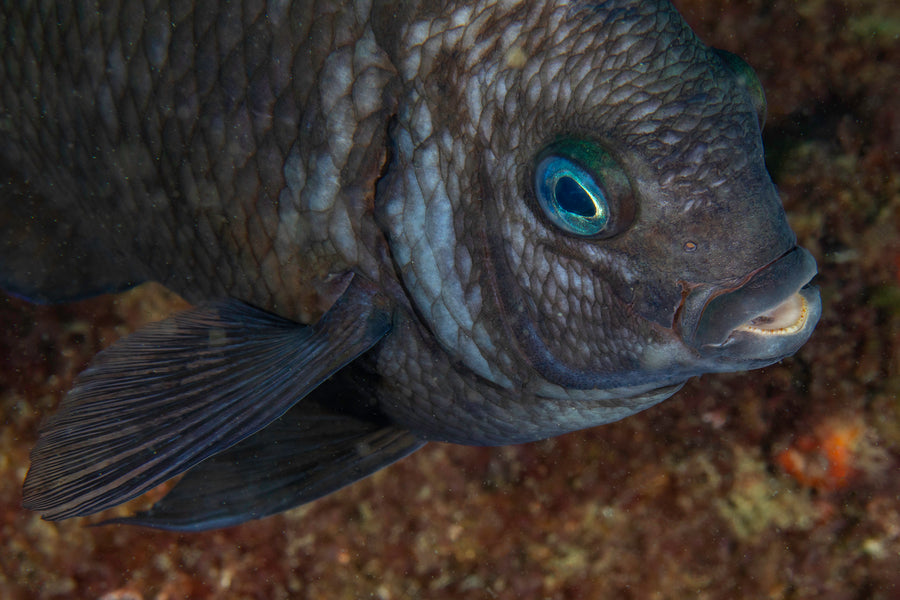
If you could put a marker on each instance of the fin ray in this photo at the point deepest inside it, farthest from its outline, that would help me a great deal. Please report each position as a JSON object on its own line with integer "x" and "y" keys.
{"x": 304, "y": 455}
{"x": 181, "y": 390}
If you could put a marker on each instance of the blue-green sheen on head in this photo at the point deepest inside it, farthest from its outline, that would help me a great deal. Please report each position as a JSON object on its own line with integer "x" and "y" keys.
{"x": 746, "y": 78}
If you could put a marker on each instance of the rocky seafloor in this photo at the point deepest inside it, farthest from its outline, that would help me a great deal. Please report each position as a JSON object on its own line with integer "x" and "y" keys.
{"x": 780, "y": 483}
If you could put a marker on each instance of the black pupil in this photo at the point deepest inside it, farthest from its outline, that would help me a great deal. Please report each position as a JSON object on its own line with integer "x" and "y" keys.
{"x": 572, "y": 198}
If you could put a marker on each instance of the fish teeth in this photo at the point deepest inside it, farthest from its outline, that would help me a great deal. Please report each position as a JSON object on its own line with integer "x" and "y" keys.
{"x": 785, "y": 319}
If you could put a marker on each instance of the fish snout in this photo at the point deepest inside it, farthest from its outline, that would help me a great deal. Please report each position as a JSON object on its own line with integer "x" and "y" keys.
{"x": 763, "y": 318}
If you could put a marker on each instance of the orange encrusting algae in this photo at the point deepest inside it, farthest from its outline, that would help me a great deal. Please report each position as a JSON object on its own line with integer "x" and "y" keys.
{"x": 824, "y": 459}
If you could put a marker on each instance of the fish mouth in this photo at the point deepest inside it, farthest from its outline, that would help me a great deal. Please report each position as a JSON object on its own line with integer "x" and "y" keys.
{"x": 766, "y": 317}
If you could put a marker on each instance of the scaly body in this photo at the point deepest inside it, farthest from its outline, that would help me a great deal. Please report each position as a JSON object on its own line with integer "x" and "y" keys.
{"x": 518, "y": 219}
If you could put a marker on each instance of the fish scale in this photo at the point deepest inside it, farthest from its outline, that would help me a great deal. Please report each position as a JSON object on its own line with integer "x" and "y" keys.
{"x": 206, "y": 129}
{"x": 397, "y": 222}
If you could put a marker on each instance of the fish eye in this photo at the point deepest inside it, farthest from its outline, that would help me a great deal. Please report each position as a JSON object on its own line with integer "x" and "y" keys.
{"x": 570, "y": 198}
{"x": 582, "y": 189}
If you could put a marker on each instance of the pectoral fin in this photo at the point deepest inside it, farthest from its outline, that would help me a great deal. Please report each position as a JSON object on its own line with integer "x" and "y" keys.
{"x": 309, "y": 452}
{"x": 184, "y": 389}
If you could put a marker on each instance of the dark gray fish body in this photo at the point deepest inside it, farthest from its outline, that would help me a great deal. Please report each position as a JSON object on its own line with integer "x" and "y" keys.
{"x": 480, "y": 223}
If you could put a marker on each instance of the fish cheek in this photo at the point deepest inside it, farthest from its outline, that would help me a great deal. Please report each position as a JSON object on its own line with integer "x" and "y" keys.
{"x": 556, "y": 308}
{"x": 653, "y": 290}
{"x": 658, "y": 303}
{"x": 433, "y": 235}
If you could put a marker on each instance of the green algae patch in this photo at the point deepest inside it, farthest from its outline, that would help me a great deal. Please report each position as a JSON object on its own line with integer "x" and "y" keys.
{"x": 759, "y": 501}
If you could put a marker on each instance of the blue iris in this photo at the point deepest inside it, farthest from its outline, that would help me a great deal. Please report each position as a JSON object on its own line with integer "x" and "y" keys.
{"x": 570, "y": 197}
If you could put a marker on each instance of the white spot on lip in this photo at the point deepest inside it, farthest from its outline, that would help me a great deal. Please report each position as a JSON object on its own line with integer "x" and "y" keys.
{"x": 785, "y": 319}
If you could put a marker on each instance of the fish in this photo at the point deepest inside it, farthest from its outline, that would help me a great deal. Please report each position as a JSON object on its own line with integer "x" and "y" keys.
{"x": 481, "y": 223}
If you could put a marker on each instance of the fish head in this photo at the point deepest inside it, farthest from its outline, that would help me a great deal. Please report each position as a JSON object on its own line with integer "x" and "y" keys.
{"x": 581, "y": 209}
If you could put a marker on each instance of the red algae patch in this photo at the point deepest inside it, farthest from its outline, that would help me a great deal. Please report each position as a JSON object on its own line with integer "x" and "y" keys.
{"x": 824, "y": 459}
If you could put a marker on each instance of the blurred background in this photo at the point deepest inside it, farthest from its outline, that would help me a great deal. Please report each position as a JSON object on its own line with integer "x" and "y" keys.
{"x": 780, "y": 483}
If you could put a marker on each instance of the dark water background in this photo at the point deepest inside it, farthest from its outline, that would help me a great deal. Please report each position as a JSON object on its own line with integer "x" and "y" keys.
{"x": 780, "y": 483}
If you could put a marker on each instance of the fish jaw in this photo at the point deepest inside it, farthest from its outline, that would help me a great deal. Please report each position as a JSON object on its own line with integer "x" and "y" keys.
{"x": 762, "y": 319}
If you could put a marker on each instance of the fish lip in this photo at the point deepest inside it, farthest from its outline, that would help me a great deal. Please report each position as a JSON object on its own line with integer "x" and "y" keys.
{"x": 765, "y": 317}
